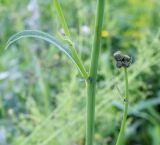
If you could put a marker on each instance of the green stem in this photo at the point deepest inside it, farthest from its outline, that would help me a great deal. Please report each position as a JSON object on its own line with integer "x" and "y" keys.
{"x": 121, "y": 133}
{"x": 61, "y": 18}
{"x": 91, "y": 83}
{"x": 68, "y": 38}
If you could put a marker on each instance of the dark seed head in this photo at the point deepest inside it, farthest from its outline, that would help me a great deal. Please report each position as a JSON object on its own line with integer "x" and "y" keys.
{"x": 119, "y": 64}
{"x": 122, "y": 60}
{"x": 118, "y": 56}
{"x": 126, "y": 58}
{"x": 126, "y": 64}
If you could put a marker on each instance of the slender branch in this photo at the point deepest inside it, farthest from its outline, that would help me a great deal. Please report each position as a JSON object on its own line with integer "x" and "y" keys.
{"x": 91, "y": 83}
{"x": 121, "y": 133}
{"x": 78, "y": 61}
{"x": 68, "y": 39}
{"x": 61, "y": 18}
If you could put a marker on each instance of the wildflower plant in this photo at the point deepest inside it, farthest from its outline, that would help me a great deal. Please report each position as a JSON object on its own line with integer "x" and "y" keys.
{"x": 69, "y": 49}
{"x": 123, "y": 61}
{"x": 90, "y": 77}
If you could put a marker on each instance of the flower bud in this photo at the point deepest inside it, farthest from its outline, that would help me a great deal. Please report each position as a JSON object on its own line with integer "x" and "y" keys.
{"x": 127, "y": 58}
{"x": 122, "y": 60}
{"x": 119, "y": 64}
{"x": 118, "y": 56}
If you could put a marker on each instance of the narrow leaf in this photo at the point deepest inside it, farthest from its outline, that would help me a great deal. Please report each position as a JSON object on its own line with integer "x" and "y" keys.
{"x": 40, "y": 35}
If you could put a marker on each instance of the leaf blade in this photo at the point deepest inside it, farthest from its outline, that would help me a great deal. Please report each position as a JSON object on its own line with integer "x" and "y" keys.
{"x": 39, "y": 35}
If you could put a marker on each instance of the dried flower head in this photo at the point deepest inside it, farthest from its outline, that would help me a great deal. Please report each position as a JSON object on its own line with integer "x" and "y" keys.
{"x": 122, "y": 60}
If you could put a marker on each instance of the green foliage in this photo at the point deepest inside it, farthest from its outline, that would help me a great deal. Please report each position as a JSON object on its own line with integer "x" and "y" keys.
{"x": 28, "y": 73}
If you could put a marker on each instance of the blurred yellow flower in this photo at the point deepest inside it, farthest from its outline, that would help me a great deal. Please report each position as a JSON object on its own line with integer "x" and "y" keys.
{"x": 98, "y": 136}
{"x": 104, "y": 34}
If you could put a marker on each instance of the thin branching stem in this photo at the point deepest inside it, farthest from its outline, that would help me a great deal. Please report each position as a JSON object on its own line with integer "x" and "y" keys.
{"x": 91, "y": 83}
{"x": 61, "y": 17}
{"x": 68, "y": 39}
{"x": 121, "y": 133}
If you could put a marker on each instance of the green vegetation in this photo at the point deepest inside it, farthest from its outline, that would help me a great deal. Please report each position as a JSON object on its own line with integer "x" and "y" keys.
{"x": 43, "y": 97}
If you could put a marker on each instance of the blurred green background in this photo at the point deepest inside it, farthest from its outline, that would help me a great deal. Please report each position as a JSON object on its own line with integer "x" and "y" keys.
{"x": 43, "y": 97}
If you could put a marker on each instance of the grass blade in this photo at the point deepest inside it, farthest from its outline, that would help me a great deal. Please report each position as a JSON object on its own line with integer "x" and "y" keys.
{"x": 40, "y": 35}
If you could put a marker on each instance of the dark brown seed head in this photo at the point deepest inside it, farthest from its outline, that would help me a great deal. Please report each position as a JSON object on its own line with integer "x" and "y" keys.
{"x": 127, "y": 58}
{"x": 126, "y": 64}
{"x": 122, "y": 60}
{"x": 119, "y": 64}
{"x": 118, "y": 56}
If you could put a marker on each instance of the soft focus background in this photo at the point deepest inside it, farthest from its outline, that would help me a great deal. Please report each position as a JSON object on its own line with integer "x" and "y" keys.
{"x": 42, "y": 95}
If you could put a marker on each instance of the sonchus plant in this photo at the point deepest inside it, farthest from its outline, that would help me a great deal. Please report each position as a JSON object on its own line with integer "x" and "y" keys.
{"x": 123, "y": 61}
{"x": 72, "y": 54}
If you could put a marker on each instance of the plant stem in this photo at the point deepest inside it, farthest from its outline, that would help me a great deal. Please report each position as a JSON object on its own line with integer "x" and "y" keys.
{"x": 61, "y": 18}
{"x": 68, "y": 38}
{"x": 91, "y": 83}
{"x": 121, "y": 133}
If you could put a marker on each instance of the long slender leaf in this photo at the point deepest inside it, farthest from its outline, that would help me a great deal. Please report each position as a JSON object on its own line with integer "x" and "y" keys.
{"x": 40, "y": 35}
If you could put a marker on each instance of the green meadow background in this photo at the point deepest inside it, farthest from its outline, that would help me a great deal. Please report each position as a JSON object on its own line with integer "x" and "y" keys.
{"x": 43, "y": 96}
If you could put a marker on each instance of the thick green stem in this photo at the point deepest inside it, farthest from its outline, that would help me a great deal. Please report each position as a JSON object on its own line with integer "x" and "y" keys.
{"x": 91, "y": 83}
{"x": 121, "y": 133}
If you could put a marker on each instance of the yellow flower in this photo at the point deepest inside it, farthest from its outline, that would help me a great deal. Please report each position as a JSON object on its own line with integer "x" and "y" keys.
{"x": 104, "y": 34}
{"x": 98, "y": 136}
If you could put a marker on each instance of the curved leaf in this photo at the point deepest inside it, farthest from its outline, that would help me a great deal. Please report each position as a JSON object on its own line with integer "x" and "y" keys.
{"x": 40, "y": 35}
